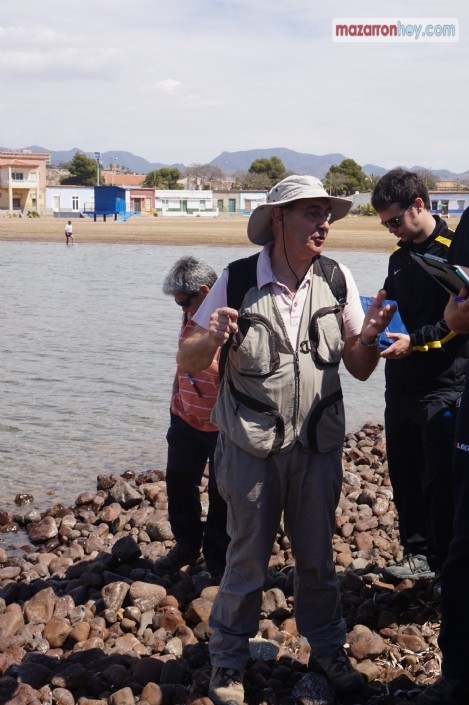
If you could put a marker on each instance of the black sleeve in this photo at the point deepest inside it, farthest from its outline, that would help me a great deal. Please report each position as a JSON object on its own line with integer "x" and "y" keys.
{"x": 459, "y": 250}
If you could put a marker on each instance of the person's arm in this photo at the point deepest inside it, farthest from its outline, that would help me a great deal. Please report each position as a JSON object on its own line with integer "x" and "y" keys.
{"x": 457, "y": 312}
{"x": 198, "y": 350}
{"x": 361, "y": 352}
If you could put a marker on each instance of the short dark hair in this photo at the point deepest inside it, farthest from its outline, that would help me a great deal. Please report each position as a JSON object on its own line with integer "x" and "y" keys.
{"x": 187, "y": 275}
{"x": 399, "y": 186}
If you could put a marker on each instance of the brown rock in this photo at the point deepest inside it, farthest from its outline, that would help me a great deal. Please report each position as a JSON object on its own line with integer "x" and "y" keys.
{"x": 370, "y": 670}
{"x": 365, "y": 644}
{"x": 56, "y": 631}
{"x": 43, "y": 530}
{"x": 11, "y": 620}
{"x": 199, "y": 611}
{"x": 168, "y": 618}
{"x": 79, "y": 632}
{"x": 124, "y": 494}
{"x": 152, "y": 694}
{"x": 122, "y": 697}
{"x": 62, "y": 696}
{"x": 40, "y": 608}
{"x": 159, "y": 530}
{"x": 146, "y": 596}
{"x": 366, "y": 524}
{"x": 272, "y": 601}
{"x": 24, "y": 695}
{"x": 412, "y": 642}
{"x": 114, "y": 594}
{"x": 364, "y": 541}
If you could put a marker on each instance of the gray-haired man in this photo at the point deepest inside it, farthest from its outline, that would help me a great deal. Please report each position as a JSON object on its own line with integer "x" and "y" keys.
{"x": 192, "y": 438}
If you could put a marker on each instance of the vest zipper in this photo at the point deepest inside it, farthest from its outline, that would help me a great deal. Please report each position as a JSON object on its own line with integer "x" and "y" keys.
{"x": 296, "y": 366}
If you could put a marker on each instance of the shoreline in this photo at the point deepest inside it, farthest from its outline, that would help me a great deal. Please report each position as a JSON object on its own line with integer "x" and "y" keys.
{"x": 87, "y": 620}
{"x": 354, "y": 233}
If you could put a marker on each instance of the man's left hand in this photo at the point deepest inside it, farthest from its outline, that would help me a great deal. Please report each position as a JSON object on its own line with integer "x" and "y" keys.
{"x": 377, "y": 317}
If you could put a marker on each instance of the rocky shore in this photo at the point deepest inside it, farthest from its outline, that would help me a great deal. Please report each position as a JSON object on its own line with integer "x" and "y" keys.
{"x": 84, "y": 618}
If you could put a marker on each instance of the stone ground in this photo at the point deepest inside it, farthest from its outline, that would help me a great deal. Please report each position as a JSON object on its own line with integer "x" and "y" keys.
{"x": 84, "y": 618}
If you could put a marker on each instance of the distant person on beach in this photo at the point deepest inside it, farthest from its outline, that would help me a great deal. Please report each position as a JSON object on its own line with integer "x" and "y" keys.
{"x": 424, "y": 375}
{"x": 69, "y": 232}
{"x": 192, "y": 438}
{"x": 453, "y": 686}
{"x": 281, "y": 420}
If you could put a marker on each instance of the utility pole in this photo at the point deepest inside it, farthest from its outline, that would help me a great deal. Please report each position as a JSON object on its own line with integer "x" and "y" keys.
{"x": 97, "y": 156}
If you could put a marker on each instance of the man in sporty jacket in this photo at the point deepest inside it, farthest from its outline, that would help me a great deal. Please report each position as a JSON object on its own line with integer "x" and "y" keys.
{"x": 424, "y": 375}
{"x": 452, "y": 688}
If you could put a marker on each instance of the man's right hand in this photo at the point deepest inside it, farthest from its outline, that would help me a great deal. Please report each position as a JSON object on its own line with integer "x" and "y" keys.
{"x": 223, "y": 323}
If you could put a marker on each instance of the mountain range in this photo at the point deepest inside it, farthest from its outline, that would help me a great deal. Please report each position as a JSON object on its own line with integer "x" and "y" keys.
{"x": 232, "y": 162}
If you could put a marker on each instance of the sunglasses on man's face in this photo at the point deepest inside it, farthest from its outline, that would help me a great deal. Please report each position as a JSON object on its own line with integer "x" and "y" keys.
{"x": 395, "y": 222}
{"x": 185, "y": 303}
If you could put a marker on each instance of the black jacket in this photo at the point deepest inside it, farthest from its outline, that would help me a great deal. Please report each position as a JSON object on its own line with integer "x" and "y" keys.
{"x": 439, "y": 358}
{"x": 459, "y": 250}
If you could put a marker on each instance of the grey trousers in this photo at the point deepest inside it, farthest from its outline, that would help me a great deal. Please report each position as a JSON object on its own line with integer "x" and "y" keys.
{"x": 306, "y": 487}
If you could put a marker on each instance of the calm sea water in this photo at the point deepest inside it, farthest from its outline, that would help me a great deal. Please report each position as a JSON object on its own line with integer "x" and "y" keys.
{"x": 87, "y": 348}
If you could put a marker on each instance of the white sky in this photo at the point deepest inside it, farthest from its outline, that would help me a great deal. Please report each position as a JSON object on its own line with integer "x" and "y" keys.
{"x": 182, "y": 81}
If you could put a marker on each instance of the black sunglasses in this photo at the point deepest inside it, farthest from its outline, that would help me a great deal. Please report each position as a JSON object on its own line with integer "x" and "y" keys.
{"x": 395, "y": 222}
{"x": 185, "y": 303}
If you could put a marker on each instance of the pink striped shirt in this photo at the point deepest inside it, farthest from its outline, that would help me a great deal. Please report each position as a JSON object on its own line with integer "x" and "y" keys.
{"x": 195, "y": 398}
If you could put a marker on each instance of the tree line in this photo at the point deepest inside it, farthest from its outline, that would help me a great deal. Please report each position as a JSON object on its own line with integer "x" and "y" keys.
{"x": 342, "y": 179}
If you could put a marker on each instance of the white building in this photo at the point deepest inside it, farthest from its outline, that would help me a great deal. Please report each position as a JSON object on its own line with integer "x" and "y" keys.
{"x": 185, "y": 202}
{"x": 448, "y": 202}
{"x": 69, "y": 201}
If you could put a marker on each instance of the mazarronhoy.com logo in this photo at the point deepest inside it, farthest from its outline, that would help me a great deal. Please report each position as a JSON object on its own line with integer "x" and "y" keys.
{"x": 405, "y": 29}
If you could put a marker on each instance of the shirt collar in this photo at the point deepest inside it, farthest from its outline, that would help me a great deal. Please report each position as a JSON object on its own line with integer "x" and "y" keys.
{"x": 264, "y": 268}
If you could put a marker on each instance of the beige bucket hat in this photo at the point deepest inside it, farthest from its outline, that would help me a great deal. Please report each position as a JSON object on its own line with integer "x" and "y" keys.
{"x": 292, "y": 188}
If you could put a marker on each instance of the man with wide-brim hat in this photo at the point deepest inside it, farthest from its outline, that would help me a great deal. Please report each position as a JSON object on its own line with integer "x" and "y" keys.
{"x": 281, "y": 420}
{"x": 291, "y": 189}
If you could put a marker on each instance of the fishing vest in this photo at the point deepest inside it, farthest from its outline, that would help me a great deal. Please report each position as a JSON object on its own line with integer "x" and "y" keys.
{"x": 272, "y": 395}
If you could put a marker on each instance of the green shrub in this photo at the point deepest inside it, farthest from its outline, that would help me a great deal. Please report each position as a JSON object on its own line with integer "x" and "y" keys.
{"x": 367, "y": 209}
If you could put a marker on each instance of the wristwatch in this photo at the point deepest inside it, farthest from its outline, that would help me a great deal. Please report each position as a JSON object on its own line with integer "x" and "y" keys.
{"x": 372, "y": 344}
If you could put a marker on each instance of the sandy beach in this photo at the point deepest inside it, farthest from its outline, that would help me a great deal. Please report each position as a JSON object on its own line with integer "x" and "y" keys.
{"x": 359, "y": 233}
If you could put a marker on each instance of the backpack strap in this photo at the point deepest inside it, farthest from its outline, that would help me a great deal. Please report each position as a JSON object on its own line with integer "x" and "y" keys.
{"x": 242, "y": 275}
{"x": 334, "y": 276}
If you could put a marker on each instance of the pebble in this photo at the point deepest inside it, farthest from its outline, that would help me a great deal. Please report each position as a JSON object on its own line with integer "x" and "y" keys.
{"x": 84, "y": 619}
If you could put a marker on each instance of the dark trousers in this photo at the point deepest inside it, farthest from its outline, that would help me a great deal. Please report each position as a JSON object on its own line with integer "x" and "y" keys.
{"x": 419, "y": 444}
{"x": 455, "y": 615}
{"x": 189, "y": 450}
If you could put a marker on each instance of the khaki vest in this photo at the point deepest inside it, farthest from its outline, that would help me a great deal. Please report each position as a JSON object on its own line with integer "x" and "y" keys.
{"x": 272, "y": 395}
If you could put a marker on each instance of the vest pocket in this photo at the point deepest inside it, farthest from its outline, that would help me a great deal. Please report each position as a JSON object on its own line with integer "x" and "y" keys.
{"x": 252, "y": 425}
{"x": 326, "y": 423}
{"x": 325, "y": 336}
{"x": 254, "y": 348}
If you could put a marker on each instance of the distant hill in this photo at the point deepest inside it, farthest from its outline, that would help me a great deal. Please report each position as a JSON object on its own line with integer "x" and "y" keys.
{"x": 232, "y": 162}
{"x": 297, "y": 162}
{"x": 135, "y": 164}
{"x": 370, "y": 169}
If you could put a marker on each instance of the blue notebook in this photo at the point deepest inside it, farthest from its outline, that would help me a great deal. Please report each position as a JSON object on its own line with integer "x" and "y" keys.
{"x": 395, "y": 325}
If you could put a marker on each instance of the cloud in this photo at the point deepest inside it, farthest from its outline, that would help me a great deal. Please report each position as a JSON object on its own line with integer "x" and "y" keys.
{"x": 41, "y": 52}
{"x": 168, "y": 85}
{"x": 183, "y": 81}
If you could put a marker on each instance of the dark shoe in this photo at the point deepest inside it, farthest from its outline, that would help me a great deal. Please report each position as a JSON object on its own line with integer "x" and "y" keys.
{"x": 226, "y": 686}
{"x": 411, "y": 567}
{"x": 339, "y": 671}
{"x": 180, "y": 555}
{"x": 446, "y": 691}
